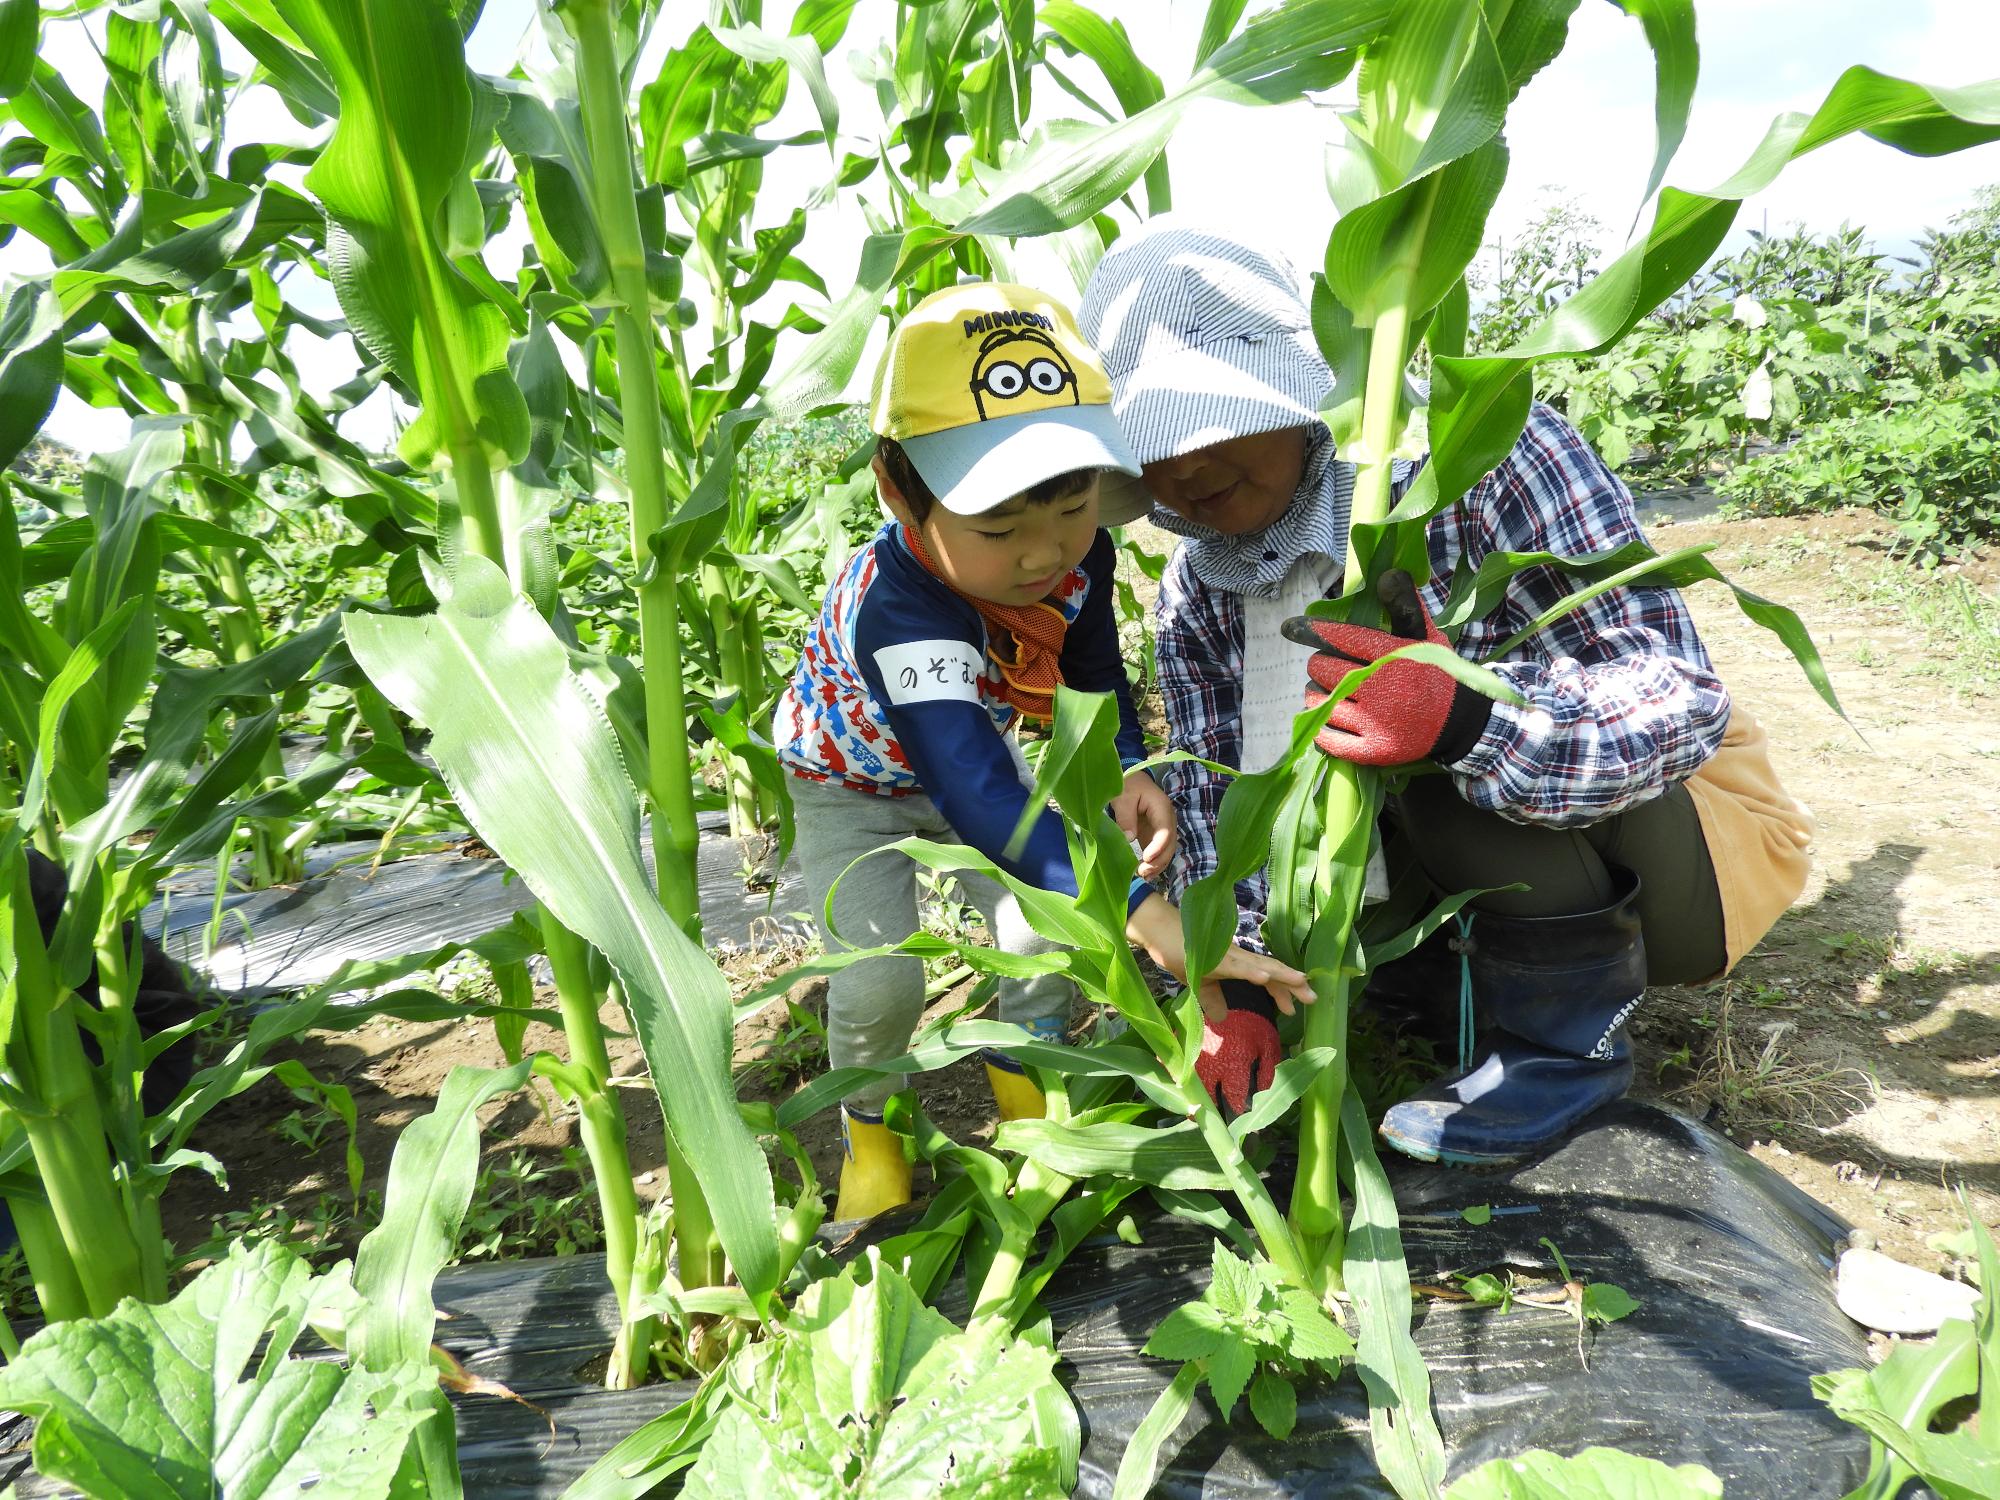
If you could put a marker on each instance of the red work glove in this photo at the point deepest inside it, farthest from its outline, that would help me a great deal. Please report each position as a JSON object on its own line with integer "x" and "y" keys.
{"x": 1240, "y": 1052}
{"x": 1409, "y": 710}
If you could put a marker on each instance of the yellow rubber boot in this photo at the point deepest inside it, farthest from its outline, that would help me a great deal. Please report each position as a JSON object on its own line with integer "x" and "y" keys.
{"x": 1016, "y": 1094}
{"x": 875, "y": 1176}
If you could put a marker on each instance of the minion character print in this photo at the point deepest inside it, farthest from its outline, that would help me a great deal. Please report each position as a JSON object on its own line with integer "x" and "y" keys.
{"x": 989, "y": 388}
{"x": 1013, "y": 363}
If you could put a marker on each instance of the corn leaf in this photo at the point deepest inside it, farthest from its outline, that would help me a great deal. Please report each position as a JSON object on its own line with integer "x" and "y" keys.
{"x": 534, "y": 764}
{"x": 1176, "y": 1157}
{"x": 1142, "y": 1455}
{"x": 1669, "y": 28}
{"x": 1478, "y": 405}
{"x": 31, "y": 363}
{"x": 1408, "y": 1447}
{"x": 406, "y": 115}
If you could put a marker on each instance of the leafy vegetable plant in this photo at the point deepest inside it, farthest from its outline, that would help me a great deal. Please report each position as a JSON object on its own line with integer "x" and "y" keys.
{"x": 247, "y": 1417}
{"x": 1248, "y": 1333}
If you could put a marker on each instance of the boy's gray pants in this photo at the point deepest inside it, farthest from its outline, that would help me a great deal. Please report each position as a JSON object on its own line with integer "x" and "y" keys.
{"x": 873, "y": 1007}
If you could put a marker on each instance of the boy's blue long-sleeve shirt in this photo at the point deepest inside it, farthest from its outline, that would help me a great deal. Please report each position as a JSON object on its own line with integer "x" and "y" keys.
{"x": 895, "y": 693}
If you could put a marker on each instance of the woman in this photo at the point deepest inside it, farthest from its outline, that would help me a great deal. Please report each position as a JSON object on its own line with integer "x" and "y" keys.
{"x": 1635, "y": 804}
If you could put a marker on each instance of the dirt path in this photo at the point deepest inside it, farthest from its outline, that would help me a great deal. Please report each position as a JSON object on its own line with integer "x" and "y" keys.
{"x": 1857, "y": 1050}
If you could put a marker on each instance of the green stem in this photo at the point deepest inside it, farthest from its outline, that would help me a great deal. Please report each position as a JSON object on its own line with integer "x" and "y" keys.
{"x": 732, "y": 676}
{"x": 700, "y": 1261}
{"x": 602, "y": 1124}
{"x": 124, "y": 1067}
{"x": 601, "y": 89}
{"x": 58, "y": 1291}
{"x": 65, "y": 1128}
{"x": 1272, "y": 1232}
{"x": 1036, "y": 1193}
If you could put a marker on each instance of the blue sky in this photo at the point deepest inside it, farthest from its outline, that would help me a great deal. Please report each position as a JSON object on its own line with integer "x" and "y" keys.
{"x": 1583, "y": 128}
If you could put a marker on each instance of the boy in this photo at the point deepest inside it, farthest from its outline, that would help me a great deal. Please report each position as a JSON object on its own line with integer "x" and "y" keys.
{"x": 991, "y": 586}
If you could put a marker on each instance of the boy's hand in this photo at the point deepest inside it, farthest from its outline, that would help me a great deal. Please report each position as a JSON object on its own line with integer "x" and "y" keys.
{"x": 1156, "y": 927}
{"x": 1146, "y": 814}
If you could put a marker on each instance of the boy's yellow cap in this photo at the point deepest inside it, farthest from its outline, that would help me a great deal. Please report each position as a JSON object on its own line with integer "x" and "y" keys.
{"x": 990, "y": 389}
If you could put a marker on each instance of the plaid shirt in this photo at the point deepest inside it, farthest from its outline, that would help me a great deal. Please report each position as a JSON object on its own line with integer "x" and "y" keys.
{"x": 1621, "y": 699}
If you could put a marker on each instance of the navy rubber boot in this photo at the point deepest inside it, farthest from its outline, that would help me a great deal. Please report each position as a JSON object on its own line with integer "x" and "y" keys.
{"x": 1557, "y": 991}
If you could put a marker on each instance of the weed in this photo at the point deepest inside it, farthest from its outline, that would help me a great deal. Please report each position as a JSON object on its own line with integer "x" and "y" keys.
{"x": 307, "y": 1128}
{"x": 516, "y": 1210}
{"x": 1752, "y": 1083}
{"x": 331, "y": 1226}
{"x": 798, "y": 1052}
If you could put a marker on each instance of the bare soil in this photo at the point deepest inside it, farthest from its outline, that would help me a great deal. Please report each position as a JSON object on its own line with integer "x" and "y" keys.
{"x": 1857, "y": 1051}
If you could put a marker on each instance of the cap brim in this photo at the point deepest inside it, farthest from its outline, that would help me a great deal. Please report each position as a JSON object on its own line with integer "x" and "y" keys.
{"x": 1174, "y": 404}
{"x": 1122, "y": 499}
{"x": 973, "y": 468}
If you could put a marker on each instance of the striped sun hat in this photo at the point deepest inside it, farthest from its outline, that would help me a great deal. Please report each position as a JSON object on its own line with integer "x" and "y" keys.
{"x": 1205, "y": 338}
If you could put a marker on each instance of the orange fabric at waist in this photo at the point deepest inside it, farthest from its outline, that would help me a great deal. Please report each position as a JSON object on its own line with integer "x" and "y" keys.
{"x": 1759, "y": 836}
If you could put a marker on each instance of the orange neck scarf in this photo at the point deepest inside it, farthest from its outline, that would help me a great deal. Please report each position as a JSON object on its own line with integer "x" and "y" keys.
{"x": 1035, "y": 632}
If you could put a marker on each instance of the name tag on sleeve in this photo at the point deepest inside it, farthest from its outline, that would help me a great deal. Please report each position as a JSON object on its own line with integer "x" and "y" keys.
{"x": 930, "y": 672}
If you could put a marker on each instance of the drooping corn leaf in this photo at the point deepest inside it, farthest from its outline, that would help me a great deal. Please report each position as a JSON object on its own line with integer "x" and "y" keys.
{"x": 1479, "y": 404}
{"x": 1669, "y": 28}
{"x": 172, "y": 1402}
{"x": 1593, "y": 1474}
{"x": 867, "y": 1393}
{"x": 1408, "y": 1447}
{"x": 535, "y": 766}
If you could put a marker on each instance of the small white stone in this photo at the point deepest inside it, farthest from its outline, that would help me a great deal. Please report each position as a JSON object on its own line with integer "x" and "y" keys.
{"x": 1882, "y": 1293}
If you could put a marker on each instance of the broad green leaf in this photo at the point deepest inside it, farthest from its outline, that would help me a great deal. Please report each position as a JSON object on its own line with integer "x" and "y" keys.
{"x": 1228, "y": 1371}
{"x": 431, "y": 1178}
{"x": 1295, "y": 1074}
{"x": 1216, "y": 24}
{"x": 946, "y": 1045}
{"x": 534, "y": 765}
{"x": 1477, "y": 1214}
{"x": 1310, "y": 1333}
{"x": 406, "y": 111}
{"x": 1635, "y": 563}
{"x": 20, "y": 34}
{"x": 1604, "y": 1303}
{"x": 168, "y": 1402}
{"x": 1478, "y": 405}
{"x": 802, "y": 54}
{"x": 1275, "y": 1404}
{"x": 674, "y": 107}
{"x": 865, "y": 1392}
{"x": 1896, "y": 1402}
{"x": 1193, "y": 1330}
{"x": 1175, "y": 1157}
{"x": 1593, "y": 1474}
{"x": 1136, "y": 86}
